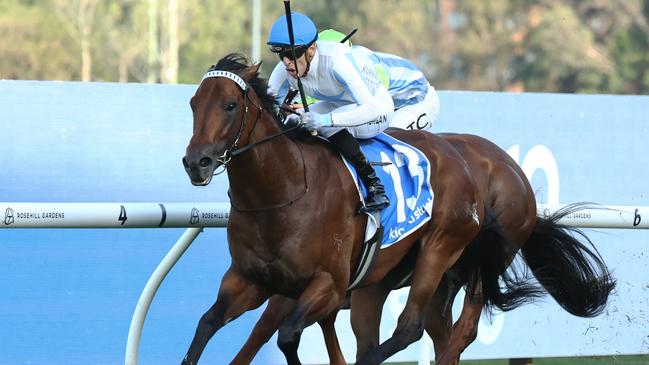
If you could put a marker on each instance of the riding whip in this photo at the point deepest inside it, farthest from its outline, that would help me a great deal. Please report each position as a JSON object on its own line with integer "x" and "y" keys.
{"x": 289, "y": 22}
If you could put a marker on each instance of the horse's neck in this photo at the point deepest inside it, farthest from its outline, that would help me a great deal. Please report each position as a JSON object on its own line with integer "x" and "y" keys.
{"x": 269, "y": 174}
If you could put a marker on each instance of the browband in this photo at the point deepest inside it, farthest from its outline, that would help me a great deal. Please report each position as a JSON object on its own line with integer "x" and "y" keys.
{"x": 226, "y": 74}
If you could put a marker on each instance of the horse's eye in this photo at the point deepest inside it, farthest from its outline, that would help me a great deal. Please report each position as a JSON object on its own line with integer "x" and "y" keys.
{"x": 231, "y": 107}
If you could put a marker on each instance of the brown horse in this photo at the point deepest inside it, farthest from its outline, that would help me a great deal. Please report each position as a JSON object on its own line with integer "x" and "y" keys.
{"x": 573, "y": 273}
{"x": 294, "y": 232}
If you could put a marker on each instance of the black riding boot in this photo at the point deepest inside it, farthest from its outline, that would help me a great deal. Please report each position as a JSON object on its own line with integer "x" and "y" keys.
{"x": 351, "y": 150}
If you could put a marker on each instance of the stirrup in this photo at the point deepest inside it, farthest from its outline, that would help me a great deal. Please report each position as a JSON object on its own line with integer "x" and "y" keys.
{"x": 369, "y": 207}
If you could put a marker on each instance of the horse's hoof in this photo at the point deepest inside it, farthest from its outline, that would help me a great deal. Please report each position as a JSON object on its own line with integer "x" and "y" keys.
{"x": 367, "y": 359}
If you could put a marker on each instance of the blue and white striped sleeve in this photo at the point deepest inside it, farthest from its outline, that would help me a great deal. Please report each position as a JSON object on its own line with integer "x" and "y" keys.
{"x": 361, "y": 82}
{"x": 278, "y": 83}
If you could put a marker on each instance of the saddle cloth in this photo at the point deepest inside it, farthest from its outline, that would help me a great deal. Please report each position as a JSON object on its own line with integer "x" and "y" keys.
{"x": 405, "y": 173}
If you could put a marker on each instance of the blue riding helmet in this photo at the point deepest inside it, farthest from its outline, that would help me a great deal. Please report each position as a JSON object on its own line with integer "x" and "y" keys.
{"x": 304, "y": 32}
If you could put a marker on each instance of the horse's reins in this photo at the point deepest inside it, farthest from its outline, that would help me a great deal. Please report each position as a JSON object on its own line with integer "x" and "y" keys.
{"x": 231, "y": 151}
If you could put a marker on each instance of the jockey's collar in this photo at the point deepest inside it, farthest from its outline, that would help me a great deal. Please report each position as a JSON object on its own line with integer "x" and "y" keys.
{"x": 312, "y": 63}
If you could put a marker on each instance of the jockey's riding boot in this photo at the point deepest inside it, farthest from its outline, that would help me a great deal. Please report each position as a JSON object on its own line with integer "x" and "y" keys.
{"x": 351, "y": 150}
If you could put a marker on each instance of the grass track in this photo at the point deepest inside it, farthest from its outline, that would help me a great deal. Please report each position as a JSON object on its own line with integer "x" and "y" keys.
{"x": 586, "y": 360}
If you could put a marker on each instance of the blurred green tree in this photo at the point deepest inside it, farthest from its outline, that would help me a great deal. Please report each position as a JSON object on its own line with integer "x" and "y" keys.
{"x": 121, "y": 41}
{"x": 559, "y": 50}
{"x": 210, "y": 30}
{"x": 594, "y": 46}
{"x": 78, "y": 19}
{"x": 33, "y": 44}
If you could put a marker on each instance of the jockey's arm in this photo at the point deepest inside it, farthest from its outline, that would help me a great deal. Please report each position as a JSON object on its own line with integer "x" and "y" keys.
{"x": 372, "y": 101}
{"x": 278, "y": 83}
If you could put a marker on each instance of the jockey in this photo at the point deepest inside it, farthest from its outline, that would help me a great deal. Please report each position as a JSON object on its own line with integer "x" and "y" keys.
{"x": 416, "y": 102}
{"x": 351, "y": 104}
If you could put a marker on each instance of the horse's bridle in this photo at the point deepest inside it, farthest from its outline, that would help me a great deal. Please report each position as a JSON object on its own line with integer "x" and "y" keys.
{"x": 232, "y": 150}
{"x": 225, "y": 158}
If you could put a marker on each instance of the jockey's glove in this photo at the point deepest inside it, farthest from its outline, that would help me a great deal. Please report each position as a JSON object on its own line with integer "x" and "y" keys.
{"x": 292, "y": 119}
{"x": 315, "y": 121}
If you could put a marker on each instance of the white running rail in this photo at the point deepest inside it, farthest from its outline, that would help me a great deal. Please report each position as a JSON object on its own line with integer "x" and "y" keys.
{"x": 124, "y": 215}
{"x": 196, "y": 216}
{"x": 113, "y": 215}
{"x": 179, "y": 215}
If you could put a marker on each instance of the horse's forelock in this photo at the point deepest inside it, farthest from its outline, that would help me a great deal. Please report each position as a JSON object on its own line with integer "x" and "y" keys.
{"x": 238, "y": 63}
{"x": 233, "y": 62}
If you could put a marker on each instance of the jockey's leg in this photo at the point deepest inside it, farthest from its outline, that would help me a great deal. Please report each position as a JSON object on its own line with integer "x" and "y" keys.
{"x": 318, "y": 301}
{"x": 351, "y": 150}
{"x": 421, "y": 115}
{"x": 235, "y": 297}
{"x": 277, "y": 309}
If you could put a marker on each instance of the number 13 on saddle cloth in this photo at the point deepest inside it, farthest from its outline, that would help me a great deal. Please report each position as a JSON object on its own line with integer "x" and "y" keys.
{"x": 405, "y": 173}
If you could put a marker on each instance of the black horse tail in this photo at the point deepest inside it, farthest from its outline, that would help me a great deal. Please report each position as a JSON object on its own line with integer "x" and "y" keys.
{"x": 571, "y": 271}
{"x": 489, "y": 259}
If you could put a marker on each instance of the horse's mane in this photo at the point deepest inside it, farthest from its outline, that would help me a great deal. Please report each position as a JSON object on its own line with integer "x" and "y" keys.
{"x": 236, "y": 62}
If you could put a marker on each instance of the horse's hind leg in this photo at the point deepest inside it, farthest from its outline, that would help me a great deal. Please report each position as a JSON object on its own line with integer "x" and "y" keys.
{"x": 367, "y": 306}
{"x": 465, "y": 329}
{"x": 438, "y": 253}
{"x": 277, "y": 309}
{"x": 439, "y": 316}
{"x": 318, "y": 301}
{"x": 235, "y": 297}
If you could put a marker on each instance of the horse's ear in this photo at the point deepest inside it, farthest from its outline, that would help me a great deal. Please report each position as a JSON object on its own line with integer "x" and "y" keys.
{"x": 251, "y": 72}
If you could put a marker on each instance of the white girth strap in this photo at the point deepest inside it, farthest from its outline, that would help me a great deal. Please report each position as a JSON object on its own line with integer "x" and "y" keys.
{"x": 226, "y": 74}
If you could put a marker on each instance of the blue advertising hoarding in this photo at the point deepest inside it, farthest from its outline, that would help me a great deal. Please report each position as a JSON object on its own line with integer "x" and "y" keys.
{"x": 67, "y": 296}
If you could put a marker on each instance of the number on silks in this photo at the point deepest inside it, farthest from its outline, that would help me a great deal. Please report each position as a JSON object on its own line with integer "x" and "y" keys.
{"x": 392, "y": 169}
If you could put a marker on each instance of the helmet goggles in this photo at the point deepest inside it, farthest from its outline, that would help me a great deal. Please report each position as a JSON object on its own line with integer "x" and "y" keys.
{"x": 286, "y": 51}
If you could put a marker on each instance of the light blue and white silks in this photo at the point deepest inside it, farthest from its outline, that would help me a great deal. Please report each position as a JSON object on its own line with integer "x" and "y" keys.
{"x": 405, "y": 173}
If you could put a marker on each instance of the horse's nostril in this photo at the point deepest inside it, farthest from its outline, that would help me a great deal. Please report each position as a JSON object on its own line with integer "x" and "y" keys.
{"x": 185, "y": 163}
{"x": 205, "y": 162}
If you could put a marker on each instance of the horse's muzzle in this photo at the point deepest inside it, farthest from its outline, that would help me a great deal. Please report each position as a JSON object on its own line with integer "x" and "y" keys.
{"x": 199, "y": 168}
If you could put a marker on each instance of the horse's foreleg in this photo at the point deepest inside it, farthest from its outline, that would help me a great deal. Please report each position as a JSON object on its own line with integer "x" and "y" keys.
{"x": 366, "y": 308}
{"x": 236, "y": 296}
{"x": 437, "y": 254}
{"x": 331, "y": 339}
{"x": 277, "y": 309}
{"x": 465, "y": 329}
{"x": 319, "y": 300}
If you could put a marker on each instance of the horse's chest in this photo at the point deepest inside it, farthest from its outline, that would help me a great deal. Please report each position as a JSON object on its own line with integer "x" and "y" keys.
{"x": 279, "y": 271}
